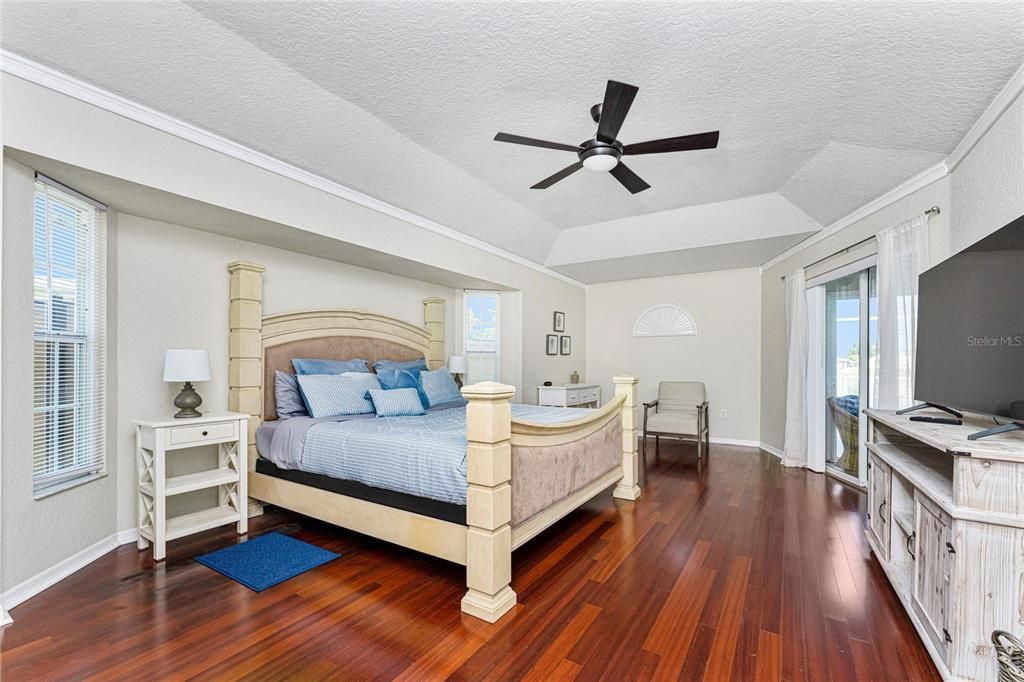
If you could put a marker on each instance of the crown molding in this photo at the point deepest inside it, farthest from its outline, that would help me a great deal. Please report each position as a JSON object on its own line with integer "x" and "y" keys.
{"x": 1006, "y": 97}
{"x": 1003, "y": 100}
{"x": 39, "y": 74}
{"x": 908, "y": 187}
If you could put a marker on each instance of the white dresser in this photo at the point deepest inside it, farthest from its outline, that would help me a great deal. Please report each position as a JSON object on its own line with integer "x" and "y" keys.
{"x": 946, "y": 523}
{"x": 569, "y": 395}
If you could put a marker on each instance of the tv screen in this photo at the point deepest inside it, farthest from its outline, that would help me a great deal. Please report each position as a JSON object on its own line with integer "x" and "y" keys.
{"x": 970, "y": 328}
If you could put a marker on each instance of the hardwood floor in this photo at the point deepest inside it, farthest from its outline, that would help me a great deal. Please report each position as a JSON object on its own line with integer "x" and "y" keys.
{"x": 742, "y": 571}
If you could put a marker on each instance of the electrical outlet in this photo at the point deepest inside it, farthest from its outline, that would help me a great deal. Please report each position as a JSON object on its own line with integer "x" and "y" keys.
{"x": 724, "y": 414}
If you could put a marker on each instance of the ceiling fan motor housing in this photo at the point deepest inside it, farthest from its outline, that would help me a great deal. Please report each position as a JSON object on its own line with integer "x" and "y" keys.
{"x": 595, "y": 147}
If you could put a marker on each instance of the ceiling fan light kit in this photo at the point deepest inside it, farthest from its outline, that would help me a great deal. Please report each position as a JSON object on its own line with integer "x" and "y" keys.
{"x": 604, "y": 152}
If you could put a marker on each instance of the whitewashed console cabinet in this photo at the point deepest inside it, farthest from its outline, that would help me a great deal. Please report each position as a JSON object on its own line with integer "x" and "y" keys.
{"x": 946, "y": 522}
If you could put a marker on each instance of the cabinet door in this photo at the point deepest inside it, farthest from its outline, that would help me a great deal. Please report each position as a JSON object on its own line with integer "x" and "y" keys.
{"x": 879, "y": 508}
{"x": 932, "y": 570}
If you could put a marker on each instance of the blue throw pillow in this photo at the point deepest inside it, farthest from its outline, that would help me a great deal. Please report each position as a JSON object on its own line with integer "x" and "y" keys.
{"x": 317, "y": 366}
{"x": 287, "y": 396}
{"x": 411, "y": 365}
{"x": 391, "y": 379}
{"x": 400, "y": 402}
{"x": 438, "y": 387}
{"x": 333, "y": 395}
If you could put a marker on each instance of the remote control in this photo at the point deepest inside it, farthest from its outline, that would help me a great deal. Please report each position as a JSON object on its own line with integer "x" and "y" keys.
{"x": 936, "y": 420}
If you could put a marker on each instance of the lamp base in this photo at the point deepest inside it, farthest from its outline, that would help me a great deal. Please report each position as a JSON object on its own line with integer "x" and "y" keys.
{"x": 187, "y": 402}
{"x": 458, "y": 380}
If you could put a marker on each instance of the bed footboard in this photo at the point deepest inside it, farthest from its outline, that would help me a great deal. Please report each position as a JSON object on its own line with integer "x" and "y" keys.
{"x": 491, "y": 434}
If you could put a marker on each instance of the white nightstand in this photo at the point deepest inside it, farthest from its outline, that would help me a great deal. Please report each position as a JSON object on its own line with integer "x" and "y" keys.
{"x": 569, "y": 395}
{"x": 154, "y": 439}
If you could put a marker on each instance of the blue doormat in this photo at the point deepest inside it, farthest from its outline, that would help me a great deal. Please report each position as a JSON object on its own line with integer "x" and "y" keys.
{"x": 266, "y": 560}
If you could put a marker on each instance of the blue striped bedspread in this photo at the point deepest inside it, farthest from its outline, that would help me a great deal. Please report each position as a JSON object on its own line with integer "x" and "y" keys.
{"x": 423, "y": 455}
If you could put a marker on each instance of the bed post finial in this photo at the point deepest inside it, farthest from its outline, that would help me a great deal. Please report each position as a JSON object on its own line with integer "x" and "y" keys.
{"x": 433, "y": 321}
{"x": 245, "y": 346}
{"x": 628, "y": 488}
{"x": 489, "y": 500}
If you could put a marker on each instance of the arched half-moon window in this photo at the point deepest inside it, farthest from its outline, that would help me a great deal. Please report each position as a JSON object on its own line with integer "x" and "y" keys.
{"x": 665, "y": 320}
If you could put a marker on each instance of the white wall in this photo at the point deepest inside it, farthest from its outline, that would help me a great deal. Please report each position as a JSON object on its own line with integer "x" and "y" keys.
{"x": 172, "y": 293}
{"x": 40, "y": 533}
{"x": 982, "y": 194}
{"x": 725, "y": 354}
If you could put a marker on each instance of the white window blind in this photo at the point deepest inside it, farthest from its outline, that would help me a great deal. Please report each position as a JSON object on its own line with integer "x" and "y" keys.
{"x": 69, "y": 323}
{"x": 481, "y": 336}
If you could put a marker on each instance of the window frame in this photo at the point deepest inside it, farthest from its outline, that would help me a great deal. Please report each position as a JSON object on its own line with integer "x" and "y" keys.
{"x": 496, "y": 295}
{"x": 54, "y": 470}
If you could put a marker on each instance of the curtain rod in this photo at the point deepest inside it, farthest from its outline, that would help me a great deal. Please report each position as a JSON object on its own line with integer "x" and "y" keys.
{"x": 934, "y": 210}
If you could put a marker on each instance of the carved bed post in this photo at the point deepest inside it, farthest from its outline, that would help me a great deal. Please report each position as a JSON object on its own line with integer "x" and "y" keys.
{"x": 245, "y": 351}
{"x": 489, "y": 500}
{"x": 628, "y": 488}
{"x": 433, "y": 321}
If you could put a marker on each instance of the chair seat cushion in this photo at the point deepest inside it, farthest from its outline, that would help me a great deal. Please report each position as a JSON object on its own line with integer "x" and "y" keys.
{"x": 684, "y": 423}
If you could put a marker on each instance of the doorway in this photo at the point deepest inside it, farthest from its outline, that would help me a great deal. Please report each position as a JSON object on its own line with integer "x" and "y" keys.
{"x": 843, "y": 308}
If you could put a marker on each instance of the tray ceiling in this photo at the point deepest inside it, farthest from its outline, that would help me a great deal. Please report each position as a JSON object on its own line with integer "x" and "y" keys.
{"x": 824, "y": 105}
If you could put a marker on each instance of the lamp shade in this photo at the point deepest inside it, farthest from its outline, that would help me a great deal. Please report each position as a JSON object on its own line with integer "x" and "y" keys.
{"x": 186, "y": 365}
{"x": 457, "y": 364}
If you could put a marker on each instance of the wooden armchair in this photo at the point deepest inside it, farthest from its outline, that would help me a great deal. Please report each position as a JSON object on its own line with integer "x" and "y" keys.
{"x": 681, "y": 411}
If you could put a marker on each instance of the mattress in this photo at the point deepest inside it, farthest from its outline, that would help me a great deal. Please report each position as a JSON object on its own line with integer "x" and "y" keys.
{"x": 418, "y": 505}
{"x": 422, "y": 456}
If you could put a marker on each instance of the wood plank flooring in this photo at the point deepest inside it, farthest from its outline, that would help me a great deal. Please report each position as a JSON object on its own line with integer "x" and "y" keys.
{"x": 741, "y": 571}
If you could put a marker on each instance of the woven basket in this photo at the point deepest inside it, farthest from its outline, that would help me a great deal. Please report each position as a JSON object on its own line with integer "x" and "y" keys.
{"x": 1010, "y": 654}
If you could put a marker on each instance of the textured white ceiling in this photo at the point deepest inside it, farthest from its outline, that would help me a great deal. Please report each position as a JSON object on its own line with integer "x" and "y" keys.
{"x": 828, "y": 104}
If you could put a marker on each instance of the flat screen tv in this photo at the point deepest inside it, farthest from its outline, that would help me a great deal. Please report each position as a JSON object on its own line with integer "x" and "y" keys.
{"x": 970, "y": 328}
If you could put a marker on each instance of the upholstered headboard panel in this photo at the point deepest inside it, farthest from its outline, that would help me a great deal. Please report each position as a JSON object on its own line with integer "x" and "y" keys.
{"x": 328, "y": 347}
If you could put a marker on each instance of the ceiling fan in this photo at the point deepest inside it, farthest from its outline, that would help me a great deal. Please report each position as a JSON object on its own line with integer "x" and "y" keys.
{"x": 603, "y": 152}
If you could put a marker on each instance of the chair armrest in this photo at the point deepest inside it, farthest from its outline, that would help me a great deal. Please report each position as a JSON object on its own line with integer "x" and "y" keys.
{"x": 653, "y": 403}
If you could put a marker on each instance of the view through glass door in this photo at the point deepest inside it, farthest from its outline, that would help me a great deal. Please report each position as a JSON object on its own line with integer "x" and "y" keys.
{"x": 851, "y": 360}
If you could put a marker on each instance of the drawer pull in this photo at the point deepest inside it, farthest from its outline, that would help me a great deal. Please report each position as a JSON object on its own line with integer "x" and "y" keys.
{"x": 206, "y": 433}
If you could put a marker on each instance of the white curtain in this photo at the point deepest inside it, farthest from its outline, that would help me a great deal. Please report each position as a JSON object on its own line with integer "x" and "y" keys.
{"x": 902, "y": 256}
{"x": 794, "y": 451}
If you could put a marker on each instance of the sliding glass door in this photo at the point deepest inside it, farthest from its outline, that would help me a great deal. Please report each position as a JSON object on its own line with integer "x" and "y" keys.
{"x": 850, "y": 360}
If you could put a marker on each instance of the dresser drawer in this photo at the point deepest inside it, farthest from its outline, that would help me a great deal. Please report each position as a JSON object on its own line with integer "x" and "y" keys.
{"x": 572, "y": 396}
{"x": 180, "y": 435}
{"x": 590, "y": 395}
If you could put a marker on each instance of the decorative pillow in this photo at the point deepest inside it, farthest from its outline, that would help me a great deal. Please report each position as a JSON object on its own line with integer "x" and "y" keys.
{"x": 399, "y": 402}
{"x": 287, "y": 396}
{"x": 316, "y": 366}
{"x": 437, "y": 387}
{"x": 391, "y": 379}
{"x": 332, "y": 395}
{"x": 411, "y": 365}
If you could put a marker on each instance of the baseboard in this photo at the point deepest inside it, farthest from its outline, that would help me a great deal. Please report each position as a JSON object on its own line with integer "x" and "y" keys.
{"x": 771, "y": 450}
{"x": 734, "y": 441}
{"x": 53, "y": 575}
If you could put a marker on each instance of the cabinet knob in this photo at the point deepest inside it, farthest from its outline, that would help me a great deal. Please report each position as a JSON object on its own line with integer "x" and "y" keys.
{"x": 206, "y": 433}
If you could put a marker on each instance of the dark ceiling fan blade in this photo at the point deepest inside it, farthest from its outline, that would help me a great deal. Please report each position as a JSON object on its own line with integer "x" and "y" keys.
{"x": 630, "y": 180}
{"x": 683, "y": 143}
{"x": 533, "y": 142}
{"x": 560, "y": 175}
{"x": 618, "y": 98}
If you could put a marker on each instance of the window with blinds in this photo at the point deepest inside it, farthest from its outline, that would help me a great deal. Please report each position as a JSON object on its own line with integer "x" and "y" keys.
{"x": 69, "y": 323}
{"x": 480, "y": 317}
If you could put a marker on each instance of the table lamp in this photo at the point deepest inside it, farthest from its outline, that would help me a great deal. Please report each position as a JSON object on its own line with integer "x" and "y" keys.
{"x": 457, "y": 367}
{"x": 187, "y": 365}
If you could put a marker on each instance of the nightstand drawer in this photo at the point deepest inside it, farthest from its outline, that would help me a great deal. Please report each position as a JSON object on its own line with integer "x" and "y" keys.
{"x": 590, "y": 395}
{"x": 572, "y": 397}
{"x": 201, "y": 433}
